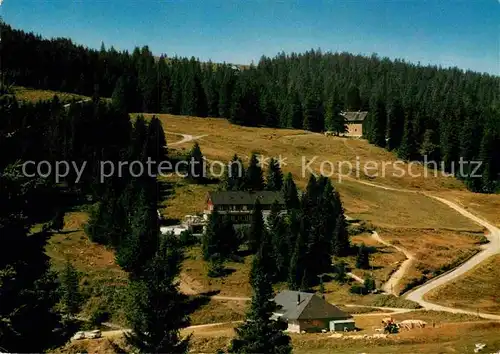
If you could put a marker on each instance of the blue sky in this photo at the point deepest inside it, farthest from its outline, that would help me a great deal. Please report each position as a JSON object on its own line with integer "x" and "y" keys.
{"x": 463, "y": 33}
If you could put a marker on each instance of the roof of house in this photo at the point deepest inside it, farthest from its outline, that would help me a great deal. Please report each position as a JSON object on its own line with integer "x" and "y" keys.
{"x": 245, "y": 198}
{"x": 311, "y": 307}
{"x": 358, "y": 116}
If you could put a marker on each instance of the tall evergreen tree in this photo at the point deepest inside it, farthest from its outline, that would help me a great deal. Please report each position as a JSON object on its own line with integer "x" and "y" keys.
{"x": 274, "y": 179}
{"x": 210, "y": 240}
{"x": 260, "y": 334}
{"x": 157, "y": 310}
{"x": 293, "y": 111}
{"x": 290, "y": 193}
{"x": 57, "y": 222}
{"x": 280, "y": 247}
{"x": 234, "y": 178}
{"x": 156, "y": 144}
{"x": 70, "y": 289}
{"x": 334, "y": 121}
{"x": 395, "y": 124}
{"x": 313, "y": 113}
{"x": 254, "y": 180}
{"x": 196, "y": 164}
{"x": 341, "y": 244}
{"x": 139, "y": 246}
{"x": 256, "y": 233}
{"x": 378, "y": 121}
{"x": 407, "y": 149}
{"x": 363, "y": 258}
{"x": 119, "y": 97}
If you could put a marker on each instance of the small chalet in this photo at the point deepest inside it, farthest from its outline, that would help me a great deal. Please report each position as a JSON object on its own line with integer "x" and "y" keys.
{"x": 354, "y": 122}
{"x": 310, "y": 313}
{"x": 239, "y": 204}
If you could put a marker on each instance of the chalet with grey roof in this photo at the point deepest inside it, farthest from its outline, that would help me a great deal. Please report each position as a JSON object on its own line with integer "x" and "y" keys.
{"x": 307, "y": 312}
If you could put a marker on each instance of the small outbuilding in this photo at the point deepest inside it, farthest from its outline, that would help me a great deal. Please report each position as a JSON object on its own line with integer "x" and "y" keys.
{"x": 310, "y": 313}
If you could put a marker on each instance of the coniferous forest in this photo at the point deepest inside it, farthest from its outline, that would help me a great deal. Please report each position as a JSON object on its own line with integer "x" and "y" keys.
{"x": 416, "y": 111}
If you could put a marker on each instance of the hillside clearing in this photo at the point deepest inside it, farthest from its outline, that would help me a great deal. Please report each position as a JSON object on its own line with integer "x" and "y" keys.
{"x": 434, "y": 251}
{"x": 102, "y": 280}
{"x": 34, "y": 95}
{"x": 484, "y": 205}
{"x": 478, "y": 290}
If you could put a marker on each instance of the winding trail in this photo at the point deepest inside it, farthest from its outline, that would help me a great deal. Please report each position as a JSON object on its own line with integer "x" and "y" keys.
{"x": 186, "y": 138}
{"x": 390, "y": 286}
{"x": 490, "y": 249}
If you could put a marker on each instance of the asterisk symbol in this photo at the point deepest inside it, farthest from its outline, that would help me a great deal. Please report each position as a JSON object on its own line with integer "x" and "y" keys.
{"x": 282, "y": 161}
{"x": 262, "y": 161}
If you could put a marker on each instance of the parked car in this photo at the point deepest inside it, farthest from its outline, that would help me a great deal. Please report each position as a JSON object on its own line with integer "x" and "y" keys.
{"x": 93, "y": 334}
{"x": 78, "y": 335}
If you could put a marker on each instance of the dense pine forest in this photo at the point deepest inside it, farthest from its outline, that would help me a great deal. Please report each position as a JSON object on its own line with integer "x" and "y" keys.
{"x": 443, "y": 114}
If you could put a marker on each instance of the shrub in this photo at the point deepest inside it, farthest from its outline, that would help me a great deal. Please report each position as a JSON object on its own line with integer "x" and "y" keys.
{"x": 358, "y": 289}
{"x": 187, "y": 239}
{"x": 99, "y": 316}
{"x": 216, "y": 267}
{"x": 394, "y": 301}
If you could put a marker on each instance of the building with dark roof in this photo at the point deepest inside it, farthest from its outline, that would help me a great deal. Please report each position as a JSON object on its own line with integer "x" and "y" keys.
{"x": 239, "y": 204}
{"x": 354, "y": 122}
{"x": 310, "y": 313}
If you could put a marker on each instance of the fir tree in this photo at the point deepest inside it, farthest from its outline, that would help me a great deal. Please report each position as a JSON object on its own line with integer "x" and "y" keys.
{"x": 407, "y": 149}
{"x": 254, "y": 180}
{"x": 257, "y": 230}
{"x": 395, "y": 124}
{"x": 378, "y": 120}
{"x": 119, "y": 97}
{"x": 156, "y": 144}
{"x": 157, "y": 311}
{"x": 216, "y": 266}
{"x": 139, "y": 246}
{"x": 210, "y": 240}
{"x": 70, "y": 290}
{"x": 297, "y": 269}
{"x": 294, "y": 112}
{"x": 334, "y": 121}
{"x": 234, "y": 179}
{"x": 260, "y": 334}
{"x": 277, "y": 232}
{"x": 363, "y": 258}
{"x": 57, "y": 222}
{"x": 274, "y": 180}
{"x": 341, "y": 244}
{"x": 313, "y": 114}
{"x": 290, "y": 193}
{"x": 340, "y": 272}
{"x": 196, "y": 164}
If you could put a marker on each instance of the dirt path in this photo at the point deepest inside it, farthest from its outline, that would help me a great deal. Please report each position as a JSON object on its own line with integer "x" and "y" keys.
{"x": 490, "y": 249}
{"x": 391, "y": 285}
{"x": 186, "y": 138}
{"x": 82, "y": 101}
{"x": 115, "y": 333}
{"x": 355, "y": 277}
{"x": 300, "y": 135}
